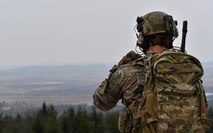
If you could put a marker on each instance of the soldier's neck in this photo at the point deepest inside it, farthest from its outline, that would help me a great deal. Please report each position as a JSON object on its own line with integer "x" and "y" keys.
{"x": 155, "y": 49}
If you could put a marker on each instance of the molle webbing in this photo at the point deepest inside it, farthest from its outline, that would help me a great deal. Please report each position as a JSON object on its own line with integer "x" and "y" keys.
{"x": 173, "y": 99}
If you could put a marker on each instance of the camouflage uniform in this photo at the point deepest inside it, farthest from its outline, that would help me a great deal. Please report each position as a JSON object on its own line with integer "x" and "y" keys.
{"x": 162, "y": 91}
{"x": 122, "y": 83}
{"x": 125, "y": 82}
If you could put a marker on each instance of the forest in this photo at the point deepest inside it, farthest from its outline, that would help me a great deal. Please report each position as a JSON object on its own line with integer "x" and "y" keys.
{"x": 80, "y": 120}
{"x": 47, "y": 120}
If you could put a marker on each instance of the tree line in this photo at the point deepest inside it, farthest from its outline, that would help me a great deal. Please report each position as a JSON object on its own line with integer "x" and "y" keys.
{"x": 47, "y": 120}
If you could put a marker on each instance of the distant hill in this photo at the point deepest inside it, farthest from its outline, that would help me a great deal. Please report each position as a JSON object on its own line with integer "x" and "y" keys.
{"x": 208, "y": 81}
{"x": 64, "y": 84}
{"x": 208, "y": 74}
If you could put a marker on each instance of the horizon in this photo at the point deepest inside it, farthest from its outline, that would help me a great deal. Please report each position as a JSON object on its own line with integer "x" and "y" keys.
{"x": 62, "y": 83}
{"x": 204, "y": 64}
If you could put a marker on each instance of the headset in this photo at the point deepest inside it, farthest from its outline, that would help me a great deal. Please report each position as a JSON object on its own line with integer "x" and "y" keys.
{"x": 146, "y": 31}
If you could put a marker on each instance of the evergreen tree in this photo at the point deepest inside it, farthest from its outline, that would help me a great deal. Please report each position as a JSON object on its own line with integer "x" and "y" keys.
{"x": 1, "y": 123}
{"x": 82, "y": 124}
{"x": 51, "y": 125}
{"x": 38, "y": 125}
{"x": 67, "y": 121}
{"x": 44, "y": 111}
{"x": 64, "y": 123}
{"x": 96, "y": 121}
{"x": 111, "y": 123}
{"x": 8, "y": 124}
{"x": 210, "y": 117}
{"x": 46, "y": 120}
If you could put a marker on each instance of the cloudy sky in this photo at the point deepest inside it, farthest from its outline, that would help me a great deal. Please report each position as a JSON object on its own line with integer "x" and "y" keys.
{"x": 34, "y": 32}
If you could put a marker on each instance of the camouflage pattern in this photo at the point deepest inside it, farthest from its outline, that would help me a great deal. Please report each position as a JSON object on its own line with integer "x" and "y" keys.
{"x": 156, "y": 28}
{"x": 126, "y": 83}
{"x": 154, "y": 23}
{"x": 173, "y": 99}
{"x": 162, "y": 93}
{"x": 123, "y": 83}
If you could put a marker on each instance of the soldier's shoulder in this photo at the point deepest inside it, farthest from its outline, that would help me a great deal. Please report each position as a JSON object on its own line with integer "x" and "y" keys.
{"x": 129, "y": 57}
{"x": 132, "y": 67}
{"x": 113, "y": 69}
{"x": 134, "y": 63}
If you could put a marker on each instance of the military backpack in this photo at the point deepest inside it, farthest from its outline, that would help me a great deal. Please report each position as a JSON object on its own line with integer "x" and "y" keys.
{"x": 173, "y": 99}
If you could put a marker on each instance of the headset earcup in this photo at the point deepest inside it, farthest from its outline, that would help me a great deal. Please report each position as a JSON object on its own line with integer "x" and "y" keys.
{"x": 140, "y": 40}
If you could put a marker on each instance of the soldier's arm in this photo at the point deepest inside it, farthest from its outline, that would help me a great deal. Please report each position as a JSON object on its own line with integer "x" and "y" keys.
{"x": 109, "y": 92}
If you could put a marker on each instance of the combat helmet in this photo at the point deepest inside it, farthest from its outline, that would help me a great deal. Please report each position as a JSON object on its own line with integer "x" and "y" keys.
{"x": 156, "y": 28}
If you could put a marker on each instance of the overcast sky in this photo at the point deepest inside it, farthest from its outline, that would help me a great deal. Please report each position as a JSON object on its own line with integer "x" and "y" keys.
{"x": 34, "y": 32}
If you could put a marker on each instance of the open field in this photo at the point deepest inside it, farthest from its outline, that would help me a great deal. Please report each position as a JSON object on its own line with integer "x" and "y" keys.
{"x": 70, "y": 84}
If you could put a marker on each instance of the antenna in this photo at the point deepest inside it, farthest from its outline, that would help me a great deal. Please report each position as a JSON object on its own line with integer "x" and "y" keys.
{"x": 184, "y": 31}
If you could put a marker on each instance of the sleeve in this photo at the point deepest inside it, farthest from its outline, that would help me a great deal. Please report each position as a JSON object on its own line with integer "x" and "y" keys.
{"x": 108, "y": 93}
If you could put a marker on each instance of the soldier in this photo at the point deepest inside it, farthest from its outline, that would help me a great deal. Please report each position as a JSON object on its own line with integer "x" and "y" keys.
{"x": 133, "y": 80}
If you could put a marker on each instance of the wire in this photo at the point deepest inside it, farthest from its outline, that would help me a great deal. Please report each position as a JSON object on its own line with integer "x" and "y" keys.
{"x": 140, "y": 51}
{"x": 178, "y": 49}
{"x": 136, "y": 33}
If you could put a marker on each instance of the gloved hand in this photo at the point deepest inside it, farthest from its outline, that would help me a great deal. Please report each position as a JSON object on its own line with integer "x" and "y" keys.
{"x": 129, "y": 57}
